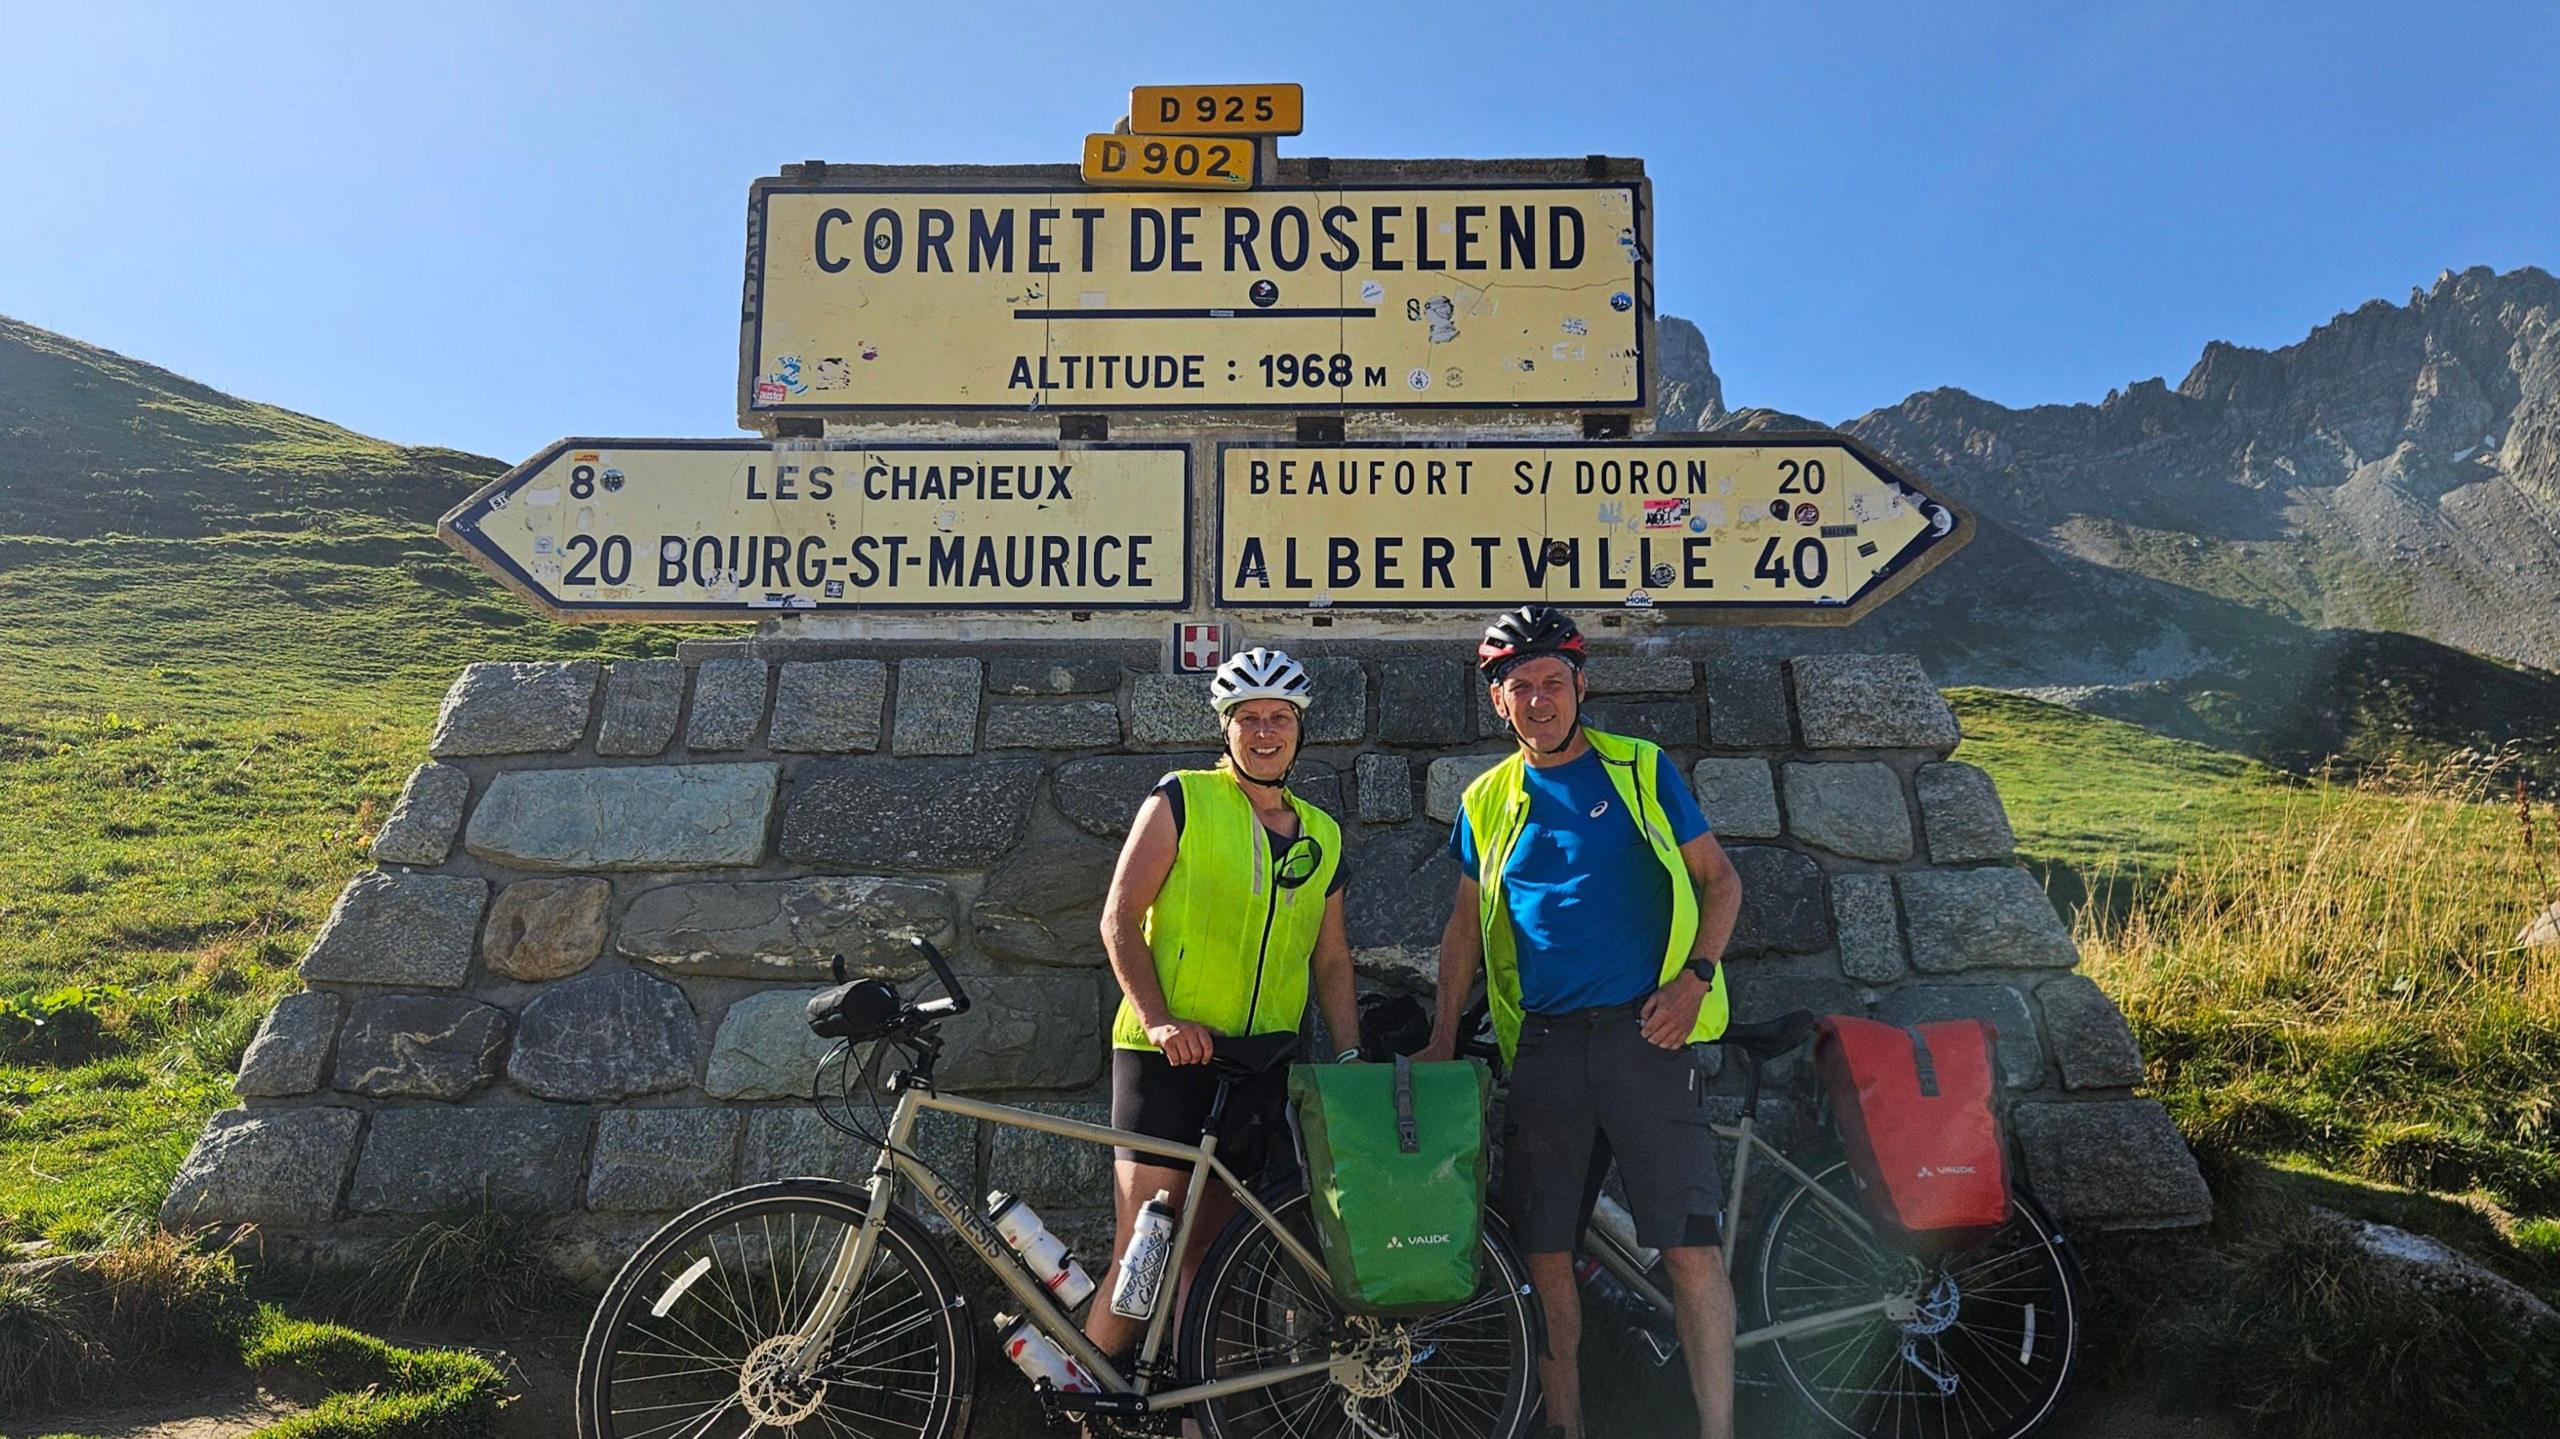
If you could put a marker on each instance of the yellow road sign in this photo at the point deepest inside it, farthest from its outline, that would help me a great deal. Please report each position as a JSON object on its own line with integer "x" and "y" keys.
{"x": 1170, "y": 162}
{"x": 739, "y": 529}
{"x": 1217, "y": 109}
{"x": 876, "y": 297}
{"x": 1807, "y": 528}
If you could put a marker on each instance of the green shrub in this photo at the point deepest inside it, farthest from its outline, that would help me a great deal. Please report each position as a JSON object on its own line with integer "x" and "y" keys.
{"x": 380, "y": 1391}
{"x": 153, "y": 1302}
{"x": 47, "y": 1351}
{"x": 481, "y": 1265}
{"x": 63, "y": 1025}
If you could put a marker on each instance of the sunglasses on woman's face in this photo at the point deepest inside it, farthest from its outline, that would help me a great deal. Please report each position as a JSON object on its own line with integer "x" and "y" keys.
{"x": 1299, "y": 862}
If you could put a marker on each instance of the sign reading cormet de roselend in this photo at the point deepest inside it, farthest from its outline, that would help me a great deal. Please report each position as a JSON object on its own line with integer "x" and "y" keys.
{"x": 1376, "y": 286}
{"x": 736, "y": 529}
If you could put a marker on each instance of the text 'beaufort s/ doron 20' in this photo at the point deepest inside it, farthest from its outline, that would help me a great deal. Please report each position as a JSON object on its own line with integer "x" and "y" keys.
{"x": 1766, "y": 522}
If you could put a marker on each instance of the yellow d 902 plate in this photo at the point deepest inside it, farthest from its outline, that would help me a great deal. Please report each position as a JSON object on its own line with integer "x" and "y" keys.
{"x": 1169, "y": 162}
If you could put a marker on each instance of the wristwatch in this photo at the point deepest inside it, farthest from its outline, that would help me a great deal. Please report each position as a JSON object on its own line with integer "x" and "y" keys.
{"x": 1703, "y": 968}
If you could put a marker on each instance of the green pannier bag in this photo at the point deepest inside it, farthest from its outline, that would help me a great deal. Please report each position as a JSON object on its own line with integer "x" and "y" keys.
{"x": 1395, "y": 1162}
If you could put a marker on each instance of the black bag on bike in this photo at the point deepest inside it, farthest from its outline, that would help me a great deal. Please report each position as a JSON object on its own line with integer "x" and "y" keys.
{"x": 1395, "y": 1160}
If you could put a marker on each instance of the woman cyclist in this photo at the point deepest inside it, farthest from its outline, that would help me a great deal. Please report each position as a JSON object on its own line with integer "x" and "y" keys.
{"x": 1225, "y": 906}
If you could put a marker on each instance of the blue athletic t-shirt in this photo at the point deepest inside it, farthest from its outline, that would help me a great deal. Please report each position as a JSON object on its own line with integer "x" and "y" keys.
{"x": 1590, "y": 907}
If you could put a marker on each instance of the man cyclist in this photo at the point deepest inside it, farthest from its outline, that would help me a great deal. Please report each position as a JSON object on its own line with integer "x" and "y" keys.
{"x": 1599, "y": 905}
{"x": 1226, "y": 903}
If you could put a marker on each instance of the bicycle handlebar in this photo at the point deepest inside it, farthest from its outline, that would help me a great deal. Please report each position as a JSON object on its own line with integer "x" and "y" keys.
{"x": 955, "y": 1000}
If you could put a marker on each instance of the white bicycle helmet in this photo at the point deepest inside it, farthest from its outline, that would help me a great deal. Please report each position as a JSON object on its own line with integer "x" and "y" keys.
{"x": 1259, "y": 674}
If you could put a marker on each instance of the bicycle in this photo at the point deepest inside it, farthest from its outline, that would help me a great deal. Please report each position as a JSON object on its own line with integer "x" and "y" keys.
{"x": 812, "y": 1307}
{"x": 1978, "y": 1344}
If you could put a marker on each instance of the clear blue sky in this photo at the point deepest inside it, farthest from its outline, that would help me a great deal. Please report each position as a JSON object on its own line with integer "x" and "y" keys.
{"x": 493, "y": 225}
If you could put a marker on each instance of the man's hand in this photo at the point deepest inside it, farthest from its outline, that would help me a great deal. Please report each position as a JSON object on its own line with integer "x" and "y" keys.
{"x": 1182, "y": 1041}
{"x": 1443, "y": 1045}
{"x": 1672, "y": 1011}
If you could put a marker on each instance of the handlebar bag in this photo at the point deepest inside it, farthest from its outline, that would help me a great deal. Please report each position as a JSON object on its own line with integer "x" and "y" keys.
{"x": 1395, "y": 1162}
{"x": 1914, "y": 1110}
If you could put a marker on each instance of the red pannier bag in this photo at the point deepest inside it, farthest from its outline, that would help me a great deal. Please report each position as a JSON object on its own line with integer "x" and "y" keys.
{"x": 1914, "y": 1111}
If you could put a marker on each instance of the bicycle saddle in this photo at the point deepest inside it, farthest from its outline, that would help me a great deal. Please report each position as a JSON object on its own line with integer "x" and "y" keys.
{"x": 1242, "y": 1056}
{"x": 1769, "y": 1038}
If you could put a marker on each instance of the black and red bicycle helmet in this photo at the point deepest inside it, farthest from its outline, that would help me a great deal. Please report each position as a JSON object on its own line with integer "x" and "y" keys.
{"x": 1526, "y": 633}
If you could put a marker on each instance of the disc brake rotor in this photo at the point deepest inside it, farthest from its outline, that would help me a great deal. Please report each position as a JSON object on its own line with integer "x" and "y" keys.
{"x": 1936, "y": 1309}
{"x": 1386, "y": 1357}
{"x": 769, "y": 1396}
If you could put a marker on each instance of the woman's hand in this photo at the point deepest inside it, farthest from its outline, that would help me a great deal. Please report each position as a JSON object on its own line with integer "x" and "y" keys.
{"x": 1182, "y": 1041}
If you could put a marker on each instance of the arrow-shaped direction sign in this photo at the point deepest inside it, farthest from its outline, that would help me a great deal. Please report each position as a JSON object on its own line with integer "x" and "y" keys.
{"x": 738, "y": 529}
{"x": 1807, "y": 528}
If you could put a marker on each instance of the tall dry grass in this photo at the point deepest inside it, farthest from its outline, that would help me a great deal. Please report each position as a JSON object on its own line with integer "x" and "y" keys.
{"x": 2345, "y": 983}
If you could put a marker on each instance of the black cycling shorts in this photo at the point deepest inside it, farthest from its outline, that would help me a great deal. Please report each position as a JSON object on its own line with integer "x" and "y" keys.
{"x": 1588, "y": 1086}
{"x": 1160, "y": 1099}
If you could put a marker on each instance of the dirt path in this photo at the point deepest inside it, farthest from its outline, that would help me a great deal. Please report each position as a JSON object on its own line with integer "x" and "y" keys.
{"x": 541, "y": 1365}
{"x": 223, "y": 1408}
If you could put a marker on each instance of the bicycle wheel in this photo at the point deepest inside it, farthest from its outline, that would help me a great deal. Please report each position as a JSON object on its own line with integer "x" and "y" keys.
{"x": 1468, "y": 1373}
{"x": 688, "y": 1338}
{"x": 1986, "y": 1355}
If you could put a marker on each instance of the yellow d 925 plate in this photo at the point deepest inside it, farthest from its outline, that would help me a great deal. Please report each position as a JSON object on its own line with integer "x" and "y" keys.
{"x": 1217, "y": 109}
{"x": 1170, "y": 162}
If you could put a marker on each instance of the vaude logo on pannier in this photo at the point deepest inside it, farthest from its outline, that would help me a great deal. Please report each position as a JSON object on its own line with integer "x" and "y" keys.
{"x": 1927, "y": 1172}
{"x": 1399, "y": 1241}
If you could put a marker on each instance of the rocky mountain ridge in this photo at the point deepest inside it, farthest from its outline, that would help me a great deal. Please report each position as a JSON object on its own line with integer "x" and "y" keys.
{"x": 2398, "y": 469}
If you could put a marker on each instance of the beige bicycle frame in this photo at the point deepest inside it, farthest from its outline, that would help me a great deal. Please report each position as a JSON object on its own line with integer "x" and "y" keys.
{"x": 961, "y": 1211}
{"x": 1895, "y": 1307}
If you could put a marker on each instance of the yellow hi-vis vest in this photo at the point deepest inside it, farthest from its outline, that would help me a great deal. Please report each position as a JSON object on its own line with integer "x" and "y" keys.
{"x": 1497, "y": 807}
{"x": 1231, "y": 945}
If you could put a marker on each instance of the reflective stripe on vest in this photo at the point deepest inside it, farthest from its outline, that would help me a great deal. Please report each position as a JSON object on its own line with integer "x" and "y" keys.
{"x": 1231, "y": 946}
{"x": 1497, "y": 809}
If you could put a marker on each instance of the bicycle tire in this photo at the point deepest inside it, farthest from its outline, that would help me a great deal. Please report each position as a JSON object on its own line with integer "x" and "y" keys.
{"x": 2002, "y": 1319}
{"x": 1445, "y": 1393}
{"x": 673, "y": 1329}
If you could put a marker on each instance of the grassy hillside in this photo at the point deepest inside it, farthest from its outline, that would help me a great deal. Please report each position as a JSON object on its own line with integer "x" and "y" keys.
{"x": 198, "y": 741}
{"x": 2321, "y": 972}
{"x": 2103, "y": 808}
{"x": 2357, "y": 699}
{"x": 94, "y": 443}
{"x": 225, "y": 628}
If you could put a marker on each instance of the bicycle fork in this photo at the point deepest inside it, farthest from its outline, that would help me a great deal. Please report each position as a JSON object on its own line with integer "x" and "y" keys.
{"x": 852, "y": 1259}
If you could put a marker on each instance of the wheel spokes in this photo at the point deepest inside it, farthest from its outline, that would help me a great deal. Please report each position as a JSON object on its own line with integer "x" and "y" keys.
{"x": 1994, "y": 1320}
{"x": 696, "y": 1351}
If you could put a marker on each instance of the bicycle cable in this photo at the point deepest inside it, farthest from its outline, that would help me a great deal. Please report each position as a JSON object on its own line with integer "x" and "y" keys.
{"x": 870, "y": 1084}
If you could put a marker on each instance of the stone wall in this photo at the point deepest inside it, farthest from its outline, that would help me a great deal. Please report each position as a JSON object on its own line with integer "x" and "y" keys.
{"x": 573, "y": 986}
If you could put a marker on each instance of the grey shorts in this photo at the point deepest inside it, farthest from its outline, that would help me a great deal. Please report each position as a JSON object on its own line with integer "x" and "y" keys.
{"x": 1586, "y": 1087}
